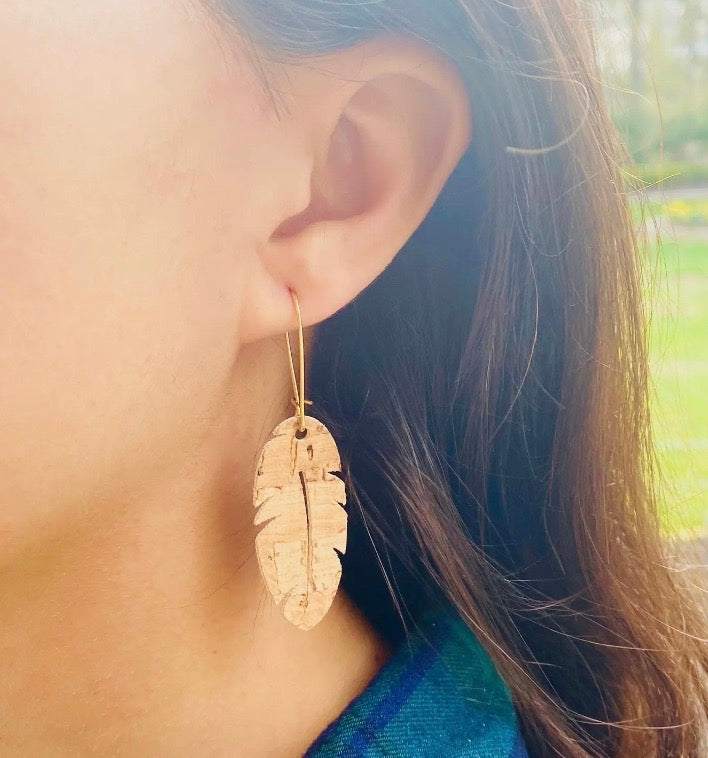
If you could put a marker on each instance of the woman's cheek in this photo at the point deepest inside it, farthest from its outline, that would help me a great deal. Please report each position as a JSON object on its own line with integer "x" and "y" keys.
{"x": 120, "y": 267}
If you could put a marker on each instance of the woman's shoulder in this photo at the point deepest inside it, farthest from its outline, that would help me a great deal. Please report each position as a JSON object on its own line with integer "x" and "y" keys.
{"x": 439, "y": 694}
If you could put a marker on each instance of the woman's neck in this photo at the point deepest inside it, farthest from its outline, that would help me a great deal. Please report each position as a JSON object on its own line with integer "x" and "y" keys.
{"x": 145, "y": 629}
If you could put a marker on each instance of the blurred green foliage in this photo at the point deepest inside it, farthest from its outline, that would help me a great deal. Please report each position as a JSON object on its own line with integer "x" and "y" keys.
{"x": 654, "y": 55}
{"x": 668, "y": 174}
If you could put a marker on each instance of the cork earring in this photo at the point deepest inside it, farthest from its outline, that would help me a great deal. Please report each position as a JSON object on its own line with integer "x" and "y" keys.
{"x": 300, "y": 500}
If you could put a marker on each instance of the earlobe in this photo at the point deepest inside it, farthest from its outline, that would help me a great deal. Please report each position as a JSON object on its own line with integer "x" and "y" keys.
{"x": 387, "y": 122}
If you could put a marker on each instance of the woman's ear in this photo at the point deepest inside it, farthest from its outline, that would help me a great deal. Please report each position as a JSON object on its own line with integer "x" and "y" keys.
{"x": 377, "y": 128}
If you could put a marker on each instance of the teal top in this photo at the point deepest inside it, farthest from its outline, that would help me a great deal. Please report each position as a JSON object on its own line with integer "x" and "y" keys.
{"x": 438, "y": 696}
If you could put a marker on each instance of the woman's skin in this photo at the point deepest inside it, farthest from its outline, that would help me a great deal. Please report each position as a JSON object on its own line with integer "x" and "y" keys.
{"x": 154, "y": 212}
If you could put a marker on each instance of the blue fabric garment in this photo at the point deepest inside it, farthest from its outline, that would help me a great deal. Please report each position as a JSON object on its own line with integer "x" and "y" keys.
{"x": 438, "y": 696}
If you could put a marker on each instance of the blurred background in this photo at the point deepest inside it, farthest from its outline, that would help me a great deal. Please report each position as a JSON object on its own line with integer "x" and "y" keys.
{"x": 654, "y": 56}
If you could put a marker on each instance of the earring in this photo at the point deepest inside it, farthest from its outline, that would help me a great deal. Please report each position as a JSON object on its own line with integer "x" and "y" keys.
{"x": 297, "y": 493}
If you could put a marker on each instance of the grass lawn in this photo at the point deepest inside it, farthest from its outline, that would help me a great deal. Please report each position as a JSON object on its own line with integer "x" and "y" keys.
{"x": 679, "y": 359}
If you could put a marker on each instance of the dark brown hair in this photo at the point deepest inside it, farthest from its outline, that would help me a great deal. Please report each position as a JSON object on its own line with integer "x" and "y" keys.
{"x": 496, "y": 433}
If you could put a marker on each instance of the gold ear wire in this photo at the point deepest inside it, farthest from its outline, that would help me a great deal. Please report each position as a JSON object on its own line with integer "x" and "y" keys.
{"x": 298, "y": 396}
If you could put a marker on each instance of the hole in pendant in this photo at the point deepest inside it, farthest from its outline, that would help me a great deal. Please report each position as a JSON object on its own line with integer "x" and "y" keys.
{"x": 300, "y": 434}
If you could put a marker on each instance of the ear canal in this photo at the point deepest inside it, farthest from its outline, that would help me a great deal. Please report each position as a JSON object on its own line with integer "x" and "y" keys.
{"x": 338, "y": 182}
{"x": 344, "y": 183}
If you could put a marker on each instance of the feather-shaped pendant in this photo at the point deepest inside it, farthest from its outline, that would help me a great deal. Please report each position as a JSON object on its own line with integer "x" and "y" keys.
{"x": 300, "y": 501}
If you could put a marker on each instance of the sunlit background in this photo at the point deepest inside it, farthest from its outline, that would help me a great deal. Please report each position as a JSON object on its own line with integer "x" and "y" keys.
{"x": 655, "y": 62}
